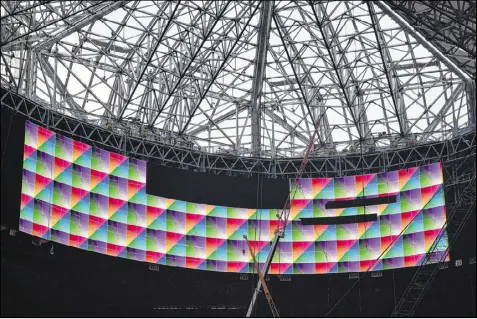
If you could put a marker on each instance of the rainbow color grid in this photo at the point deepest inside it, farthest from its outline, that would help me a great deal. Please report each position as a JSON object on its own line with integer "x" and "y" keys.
{"x": 95, "y": 200}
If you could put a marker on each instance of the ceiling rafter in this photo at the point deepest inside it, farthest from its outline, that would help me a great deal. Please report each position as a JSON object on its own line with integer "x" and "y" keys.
{"x": 150, "y": 56}
{"x": 369, "y": 76}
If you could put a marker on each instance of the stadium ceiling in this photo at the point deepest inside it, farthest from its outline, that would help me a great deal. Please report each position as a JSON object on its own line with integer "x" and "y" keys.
{"x": 250, "y": 78}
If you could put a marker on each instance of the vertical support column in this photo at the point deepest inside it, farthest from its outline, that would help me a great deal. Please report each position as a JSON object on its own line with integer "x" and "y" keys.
{"x": 202, "y": 161}
{"x": 55, "y": 77}
{"x": 23, "y": 85}
{"x": 237, "y": 133}
{"x": 318, "y": 109}
{"x": 32, "y": 88}
{"x": 259, "y": 72}
{"x": 401, "y": 107}
{"x": 30, "y": 67}
{"x": 273, "y": 149}
{"x": 470, "y": 92}
{"x": 358, "y": 101}
{"x": 420, "y": 39}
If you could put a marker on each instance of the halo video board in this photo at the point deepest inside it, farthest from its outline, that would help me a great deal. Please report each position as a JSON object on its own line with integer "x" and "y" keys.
{"x": 95, "y": 200}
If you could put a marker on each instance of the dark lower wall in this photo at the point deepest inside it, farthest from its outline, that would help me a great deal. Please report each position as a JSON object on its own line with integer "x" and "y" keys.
{"x": 76, "y": 283}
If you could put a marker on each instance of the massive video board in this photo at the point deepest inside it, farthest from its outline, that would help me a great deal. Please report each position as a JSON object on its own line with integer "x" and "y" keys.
{"x": 409, "y": 217}
{"x": 85, "y": 197}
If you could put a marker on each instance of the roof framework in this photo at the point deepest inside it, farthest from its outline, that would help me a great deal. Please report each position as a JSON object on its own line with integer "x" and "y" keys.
{"x": 449, "y": 25}
{"x": 447, "y": 151}
{"x": 253, "y": 78}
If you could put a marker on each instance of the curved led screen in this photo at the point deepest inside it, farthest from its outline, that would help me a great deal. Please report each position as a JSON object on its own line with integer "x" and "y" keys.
{"x": 85, "y": 197}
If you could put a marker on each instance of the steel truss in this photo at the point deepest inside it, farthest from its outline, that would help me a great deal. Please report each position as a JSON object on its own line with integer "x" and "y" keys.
{"x": 249, "y": 78}
{"x": 132, "y": 144}
{"x": 448, "y": 25}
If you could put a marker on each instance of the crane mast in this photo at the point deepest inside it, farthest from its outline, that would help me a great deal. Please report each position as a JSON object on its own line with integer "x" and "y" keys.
{"x": 279, "y": 233}
{"x": 273, "y": 308}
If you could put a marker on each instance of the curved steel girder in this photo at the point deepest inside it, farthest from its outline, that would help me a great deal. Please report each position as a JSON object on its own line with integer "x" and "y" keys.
{"x": 107, "y": 8}
{"x": 284, "y": 37}
{"x": 181, "y": 113}
{"x": 150, "y": 56}
{"x": 462, "y": 146}
{"x": 448, "y": 25}
{"x": 322, "y": 20}
{"x": 220, "y": 68}
{"x": 54, "y": 17}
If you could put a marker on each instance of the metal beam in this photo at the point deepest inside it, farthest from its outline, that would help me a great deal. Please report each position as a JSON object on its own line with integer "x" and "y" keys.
{"x": 449, "y": 25}
{"x": 290, "y": 60}
{"x": 107, "y": 8}
{"x": 318, "y": 108}
{"x": 392, "y": 81}
{"x": 191, "y": 61}
{"x": 331, "y": 53}
{"x": 230, "y": 50}
{"x": 262, "y": 281}
{"x": 150, "y": 56}
{"x": 470, "y": 90}
{"x": 438, "y": 54}
{"x": 40, "y": 27}
{"x": 33, "y": 6}
{"x": 50, "y": 72}
{"x": 442, "y": 113}
{"x": 10, "y": 74}
{"x": 259, "y": 75}
{"x": 265, "y": 269}
{"x": 157, "y": 148}
{"x": 243, "y": 107}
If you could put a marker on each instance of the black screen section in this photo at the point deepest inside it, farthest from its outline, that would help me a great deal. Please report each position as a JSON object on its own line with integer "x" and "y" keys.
{"x": 221, "y": 190}
{"x": 13, "y": 137}
{"x": 358, "y": 202}
{"x": 339, "y": 220}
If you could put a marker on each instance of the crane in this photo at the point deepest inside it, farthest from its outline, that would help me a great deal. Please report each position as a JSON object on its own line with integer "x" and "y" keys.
{"x": 273, "y": 308}
{"x": 279, "y": 233}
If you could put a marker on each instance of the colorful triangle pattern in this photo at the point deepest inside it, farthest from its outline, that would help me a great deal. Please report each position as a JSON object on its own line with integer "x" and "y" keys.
{"x": 95, "y": 200}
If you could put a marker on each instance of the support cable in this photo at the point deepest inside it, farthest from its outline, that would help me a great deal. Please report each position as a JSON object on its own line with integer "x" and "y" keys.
{"x": 259, "y": 200}
{"x": 394, "y": 289}
{"x": 423, "y": 277}
{"x": 280, "y": 230}
{"x": 6, "y": 141}
{"x": 448, "y": 182}
{"x": 384, "y": 251}
{"x": 260, "y": 218}
{"x": 472, "y": 290}
{"x": 255, "y": 236}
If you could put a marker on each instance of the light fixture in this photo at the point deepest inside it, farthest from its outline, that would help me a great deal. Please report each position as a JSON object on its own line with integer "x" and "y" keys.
{"x": 243, "y": 277}
{"x": 154, "y": 267}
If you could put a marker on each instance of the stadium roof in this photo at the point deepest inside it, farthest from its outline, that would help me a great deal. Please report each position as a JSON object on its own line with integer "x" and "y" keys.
{"x": 250, "y": 77}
